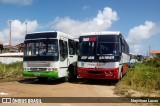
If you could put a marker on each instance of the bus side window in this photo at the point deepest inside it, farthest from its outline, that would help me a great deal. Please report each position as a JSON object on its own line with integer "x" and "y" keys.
{"x": 122, "y": 45}
{"x": 63, "y": 50}
{"x": 77, "y": 48}
{"x": 71, "y": 47}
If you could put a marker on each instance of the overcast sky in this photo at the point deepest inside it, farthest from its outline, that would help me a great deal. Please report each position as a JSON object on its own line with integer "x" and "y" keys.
{"x": 138, "y": 20}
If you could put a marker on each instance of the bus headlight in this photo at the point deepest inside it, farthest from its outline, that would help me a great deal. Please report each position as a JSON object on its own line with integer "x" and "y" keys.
{"x": 49, "y": 69}
{"x": 27, "y": 69}
{"x": 111, "y": 72}
{"x": 52, "y": 69}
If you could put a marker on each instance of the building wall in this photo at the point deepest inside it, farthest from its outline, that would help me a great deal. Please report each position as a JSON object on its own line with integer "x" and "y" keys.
{"x": 155, "y": 53}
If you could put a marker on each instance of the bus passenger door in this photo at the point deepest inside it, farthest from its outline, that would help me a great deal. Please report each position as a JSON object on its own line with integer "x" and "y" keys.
{"x": 72, "y": 52}
{"x": 63, "y": 54}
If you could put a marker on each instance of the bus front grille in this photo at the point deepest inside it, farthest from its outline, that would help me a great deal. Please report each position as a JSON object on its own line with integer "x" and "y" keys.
{"x": 38, "y": 64}
{"x": 38, "y": 69}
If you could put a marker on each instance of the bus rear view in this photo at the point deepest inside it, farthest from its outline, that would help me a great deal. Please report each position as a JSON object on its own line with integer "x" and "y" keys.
{"x": 103, "y": 55}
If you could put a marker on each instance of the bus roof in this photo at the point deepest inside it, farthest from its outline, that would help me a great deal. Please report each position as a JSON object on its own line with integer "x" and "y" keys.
{"x": 59, "y": 33}
{"x": 44, "y": 32}
{"x": 102, "y": 33}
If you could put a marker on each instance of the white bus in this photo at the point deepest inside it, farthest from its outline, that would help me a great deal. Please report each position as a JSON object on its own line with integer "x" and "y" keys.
{"x": 50, "y": 55}
{"x": 103, "y": 55}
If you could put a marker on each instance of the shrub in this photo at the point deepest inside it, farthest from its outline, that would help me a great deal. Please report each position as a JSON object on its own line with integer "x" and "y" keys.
{"x": 155, "y": 62}
{"x": 144, "y": 77}
{"x": 11, "y": 71}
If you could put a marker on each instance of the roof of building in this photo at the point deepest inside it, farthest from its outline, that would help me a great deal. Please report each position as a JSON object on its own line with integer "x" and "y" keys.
{"x": 10, "y": 46}
{"x": 155, "y": 52}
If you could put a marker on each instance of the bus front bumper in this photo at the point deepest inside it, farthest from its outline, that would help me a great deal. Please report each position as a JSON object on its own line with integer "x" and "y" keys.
{"x": 52, "y": 74}
{"x": 108, "y": 73}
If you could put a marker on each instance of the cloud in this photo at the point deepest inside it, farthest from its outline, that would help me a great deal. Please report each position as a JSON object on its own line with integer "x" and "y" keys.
{"x": 139, "y": 33}
{"x": 19, "y": 2}
{"x": 18, "y": 30}
{"x": 101, "y": 22}
{"x": 85, "y": 7}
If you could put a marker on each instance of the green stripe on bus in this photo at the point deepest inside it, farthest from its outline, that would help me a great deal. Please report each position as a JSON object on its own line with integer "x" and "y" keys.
{"x": 53, "y": 74}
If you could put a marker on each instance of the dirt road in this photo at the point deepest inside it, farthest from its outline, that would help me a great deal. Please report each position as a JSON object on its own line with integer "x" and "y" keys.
{"x": 58, "y": 88}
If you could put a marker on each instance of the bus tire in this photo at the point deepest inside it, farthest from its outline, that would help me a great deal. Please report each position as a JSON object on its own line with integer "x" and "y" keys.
{"x": 65, "y": 79}
{"x": 71, "y": 74}
{"x": 121, "y": 75}
{"x": 119, "y": 78}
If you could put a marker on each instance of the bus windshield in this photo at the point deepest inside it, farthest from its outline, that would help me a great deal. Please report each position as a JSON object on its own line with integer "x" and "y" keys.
{"x": 99, "y": 45}
{"x": 43, "y": 47}
{"x": 88, "y": 48}
{"x": 107, "y": 48}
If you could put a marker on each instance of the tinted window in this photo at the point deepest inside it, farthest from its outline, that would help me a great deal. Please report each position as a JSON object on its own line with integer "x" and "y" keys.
{"x": 63, "y": 50}
{"x": 42, "y": 47}
{"x": 88, "y": 48}
{"x": 41, "y": 35}
{"x": 72, "y": 47}
{"x": 107, "y": 38}
{"x": 107, "y": 49}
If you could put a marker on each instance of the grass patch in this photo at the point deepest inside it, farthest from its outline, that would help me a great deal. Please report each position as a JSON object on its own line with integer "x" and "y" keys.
{"x": 144, "y": 77}
{"x": 10, "y": 72}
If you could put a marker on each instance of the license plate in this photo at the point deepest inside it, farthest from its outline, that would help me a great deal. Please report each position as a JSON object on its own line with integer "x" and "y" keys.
{"x": 37, "y": 74}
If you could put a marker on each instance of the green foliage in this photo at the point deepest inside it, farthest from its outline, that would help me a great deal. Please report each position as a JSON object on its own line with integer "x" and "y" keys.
{"x": 155, "y": 62}
{"x": 11, "y": 71}
{"x": 144, "y": 77}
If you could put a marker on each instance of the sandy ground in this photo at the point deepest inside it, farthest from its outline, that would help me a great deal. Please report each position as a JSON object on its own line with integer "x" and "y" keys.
{"x": 59, "y": 88}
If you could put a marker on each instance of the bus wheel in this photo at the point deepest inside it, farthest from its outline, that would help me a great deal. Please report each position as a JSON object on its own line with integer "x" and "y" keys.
{"x": 71, "y": 74}
{"x": 121, "y": 75}
{"x": 42, "y": 79}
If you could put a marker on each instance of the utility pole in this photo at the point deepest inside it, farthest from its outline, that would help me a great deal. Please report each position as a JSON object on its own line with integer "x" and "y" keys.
{"x": 10, "y": 23}
{"x": 26, "y": 27}
{"x": 149, "y": 48}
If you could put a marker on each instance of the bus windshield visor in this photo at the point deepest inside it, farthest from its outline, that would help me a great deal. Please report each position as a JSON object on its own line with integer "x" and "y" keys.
{"x": 43, "y": 47}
